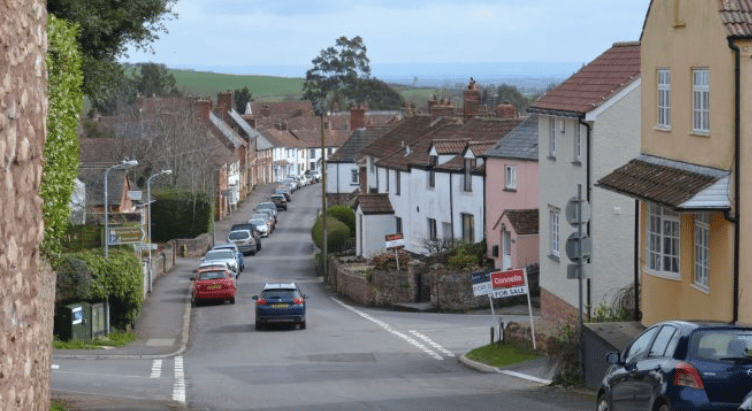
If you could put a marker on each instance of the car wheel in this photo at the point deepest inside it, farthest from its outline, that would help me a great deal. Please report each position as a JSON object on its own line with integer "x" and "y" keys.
{"x": 663, "y": 407}
{"x": 258, "y": 326}
{"x": 602, "y": 404}
{"x": 303, "y": 325}
{"x": 232, "y": 300}
{"x": 194, "y": 303}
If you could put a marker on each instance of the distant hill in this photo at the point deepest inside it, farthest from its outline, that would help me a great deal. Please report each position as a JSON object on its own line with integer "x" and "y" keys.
{"x": 269, "y": 88}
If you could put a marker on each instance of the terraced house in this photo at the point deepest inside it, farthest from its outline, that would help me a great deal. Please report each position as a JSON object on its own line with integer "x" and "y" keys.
{"x": 691, "y": 179}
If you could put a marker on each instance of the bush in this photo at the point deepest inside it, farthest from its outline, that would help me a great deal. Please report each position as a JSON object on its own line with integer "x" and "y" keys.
{"x": 466, "y": 257}
{"x": 180, "y": 214}
{"x": 388, "y": 262}
{"x": 344, "y": 214}
{"x": 88, "y": 276}
{"x": 337, "y": 233}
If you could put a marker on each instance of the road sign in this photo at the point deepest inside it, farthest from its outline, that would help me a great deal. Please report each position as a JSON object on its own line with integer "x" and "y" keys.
{"x": 570, "y": 211}
{"x": 129, "y": 234}
{"x": 574, "y": 244}
{"x": 576, "y": 271}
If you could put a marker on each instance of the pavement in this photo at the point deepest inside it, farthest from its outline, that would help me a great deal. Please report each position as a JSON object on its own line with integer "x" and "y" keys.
{"x": 163, "y": 330}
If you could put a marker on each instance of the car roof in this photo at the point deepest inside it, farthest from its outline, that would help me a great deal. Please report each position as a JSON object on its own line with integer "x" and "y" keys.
{"x": 213, "y": 267}
{"x": 280, "y": 286}
{"x": 225, "y": 246}
{"x": 238, "y": 231}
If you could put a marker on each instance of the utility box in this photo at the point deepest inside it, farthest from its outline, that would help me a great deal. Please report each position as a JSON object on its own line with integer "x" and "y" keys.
{"x": 74, "y": 322}
{"x": 98, "y": 320}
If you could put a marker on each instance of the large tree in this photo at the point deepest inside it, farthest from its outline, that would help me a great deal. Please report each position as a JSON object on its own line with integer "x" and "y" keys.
{"x": 378, "y": 95}
{"x": 156, "y": 80}
{"x": 242, "y": 98}
{"x": 107, "y": 28}
{"x": 337, "y": 71}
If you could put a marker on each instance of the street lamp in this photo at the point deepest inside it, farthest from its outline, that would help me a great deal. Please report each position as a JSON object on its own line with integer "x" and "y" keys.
{"x": 148, "y": 207}
{"x": 125, "y": 164}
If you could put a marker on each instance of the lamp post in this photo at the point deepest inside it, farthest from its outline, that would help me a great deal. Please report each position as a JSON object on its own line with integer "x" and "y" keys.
{"x": 148, "y": 207}
{"x": 125, "y": 164}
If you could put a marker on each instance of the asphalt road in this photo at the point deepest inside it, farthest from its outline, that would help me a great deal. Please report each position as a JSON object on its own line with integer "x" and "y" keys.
{"x": 348, "y": 358}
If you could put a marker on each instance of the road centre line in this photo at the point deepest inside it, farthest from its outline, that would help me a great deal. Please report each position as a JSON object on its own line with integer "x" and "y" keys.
{"x": 389, "y": 328}
{"x": 432, "y": 343}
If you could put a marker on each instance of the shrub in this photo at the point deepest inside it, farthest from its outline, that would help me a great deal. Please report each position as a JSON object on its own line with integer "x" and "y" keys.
{"x": 88, "y": 276}
{"x": 344, "y": 214}
{"x": 180, "y": 214}
{"x": 388, "y": 262}
{"x": 336, "y": 233}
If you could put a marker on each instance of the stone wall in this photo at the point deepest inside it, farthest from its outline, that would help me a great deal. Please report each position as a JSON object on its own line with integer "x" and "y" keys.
{"x": 454, "y": 292}
{"x": 27, "y": 285}
{"x": 369, "y": 287}
{"x": 194, "y": 247}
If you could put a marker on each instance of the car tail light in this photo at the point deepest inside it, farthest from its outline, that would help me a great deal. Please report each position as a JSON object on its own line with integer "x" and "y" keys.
{"x": 260, "y": 301}
{"x": 686, "y": 375}
{"x": 298, "y": 301}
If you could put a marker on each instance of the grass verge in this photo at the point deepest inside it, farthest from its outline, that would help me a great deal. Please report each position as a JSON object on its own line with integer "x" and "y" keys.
{"x": 57, "y": 405}
{"x": 501, "y": 355}
{"x": 113, "y": 339}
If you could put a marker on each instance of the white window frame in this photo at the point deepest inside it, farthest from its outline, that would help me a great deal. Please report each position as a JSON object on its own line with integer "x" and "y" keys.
{"x": 702, "y": 250}
{"x": 663, "y": 232}
{"x": 577, "y": 142}
{"x": 552, "y": 137}
{"x": 354, "y": 176}
{"x": 701, "y": 101}
{"x": 554, "y": 219}
{"x": 510, "y": 177}
{"x": 663, "y": 80}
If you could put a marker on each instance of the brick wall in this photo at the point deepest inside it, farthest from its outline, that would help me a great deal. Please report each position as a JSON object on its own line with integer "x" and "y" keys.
{"x": 554, "y": 308}
{"x": 27, "y": 285}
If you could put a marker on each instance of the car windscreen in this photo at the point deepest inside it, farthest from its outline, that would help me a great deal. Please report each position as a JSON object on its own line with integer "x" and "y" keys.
{"x": 259, "y": 221}
{"x": 237, "y": 227}
{"x": 239, "y": 235}
{"x": 219, "y": 255}
{"x": 281, "y": 294}
{"x": 265, "y": 205}
{"x": 722, "y": 345}
{"x": 212, "y": 275}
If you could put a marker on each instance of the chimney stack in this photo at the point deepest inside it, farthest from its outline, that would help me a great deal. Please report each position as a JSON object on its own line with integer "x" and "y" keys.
{"x": 506, "y": 110}
{"x": 440, "y": 108}
{"x": 471, "y": 101}
{"x": 357, "y": 116}
{"x": 203, "y": 108}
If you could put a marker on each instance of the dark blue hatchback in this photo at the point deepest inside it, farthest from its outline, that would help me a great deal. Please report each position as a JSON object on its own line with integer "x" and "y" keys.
{"x": 680, "y": 365}
{"x": 280, "y": 303}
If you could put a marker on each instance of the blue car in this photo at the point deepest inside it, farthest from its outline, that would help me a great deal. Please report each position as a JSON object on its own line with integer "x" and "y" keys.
{"x": 680, "y": 365}
{"x": 280, "y": 303}
{"x": 238, "y": 254}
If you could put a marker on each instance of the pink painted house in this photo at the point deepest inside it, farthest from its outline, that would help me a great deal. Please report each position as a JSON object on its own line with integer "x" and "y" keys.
{"x": 511, "y": 197}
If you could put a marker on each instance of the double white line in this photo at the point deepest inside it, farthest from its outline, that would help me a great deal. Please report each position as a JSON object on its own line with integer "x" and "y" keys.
{"x": 410, "y": 340}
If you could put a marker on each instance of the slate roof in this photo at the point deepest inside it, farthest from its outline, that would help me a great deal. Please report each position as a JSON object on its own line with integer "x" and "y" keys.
{"x": 670, "y": 183}
{"x": 524, "y": 221}
{"x": 360, "y": 138}
{"x": 249, "y": 131}
{"x": 594, "y": 84}
{"x": 520, "y": 143}
{"x": 736, "y": 16}
{"x": 374, "y": 204}
{"x": 227, "y": 132}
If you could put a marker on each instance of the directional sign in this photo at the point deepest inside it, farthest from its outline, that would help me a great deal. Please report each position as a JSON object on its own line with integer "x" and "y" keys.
{"x": 130, "y": 234}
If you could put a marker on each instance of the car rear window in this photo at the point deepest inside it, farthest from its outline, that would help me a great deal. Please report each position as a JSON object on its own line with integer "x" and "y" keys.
{"x": 259, "y": 221}
{"x": 212, "y": 275}
{"x": 281, "y": 294}
{"x": 721, "y": 344}
{"x": 220, "y": 255}
{"x": 239, "y": 235}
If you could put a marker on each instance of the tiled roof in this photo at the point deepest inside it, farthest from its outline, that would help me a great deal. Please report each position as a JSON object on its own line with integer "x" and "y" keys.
{"x": 312, "y": 138}
{"x": 736, "y": 15}
{"x": 408, "y": 130}
{"x": 418, "y": 147}
{"x": 450, "y": 145}
{"x": 521, "y": 143}
{"x": 288, "y": 109}
{"x": 480, "y": 147}
{"x": 374, "y": 204}
{"x": 593, "y": 84}
{"x": 358, "y": 139}
{"x": 524, "y": 222}
{"x": 282, "y": 138}
{"x": 670, "y": 183}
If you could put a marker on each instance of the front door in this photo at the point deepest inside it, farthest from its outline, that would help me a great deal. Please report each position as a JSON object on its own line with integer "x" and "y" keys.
{"x": 506, "y": 245}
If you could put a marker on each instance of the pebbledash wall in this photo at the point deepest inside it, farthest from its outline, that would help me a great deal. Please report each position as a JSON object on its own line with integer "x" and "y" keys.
{"x": 27, "y": 285}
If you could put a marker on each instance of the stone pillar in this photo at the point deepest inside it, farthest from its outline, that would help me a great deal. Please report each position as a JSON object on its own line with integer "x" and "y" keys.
{"x": 27, "y": 286}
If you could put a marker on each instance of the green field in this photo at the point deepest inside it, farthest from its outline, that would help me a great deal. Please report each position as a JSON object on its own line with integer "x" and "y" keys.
{"x": 268, "y": 88}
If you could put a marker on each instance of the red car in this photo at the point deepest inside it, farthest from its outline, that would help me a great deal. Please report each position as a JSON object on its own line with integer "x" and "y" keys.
{"x": 213, "y": 284}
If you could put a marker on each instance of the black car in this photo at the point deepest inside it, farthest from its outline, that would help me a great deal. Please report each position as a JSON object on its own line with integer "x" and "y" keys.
{"x": 680, "y": 365}
{"x": 250, "y": 227}
{"x": 280, "y": 201}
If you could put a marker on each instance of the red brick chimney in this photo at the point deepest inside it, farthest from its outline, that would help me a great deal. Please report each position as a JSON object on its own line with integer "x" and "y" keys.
{"x": 506, "y": 110}
{"x": 440, "y": 108}
{"x": 203, "y": 108}
{"x": 225, "y": 102}
{"x": 357, "y": 116}
{"x": 471, "y": 101}
{"x": 264, "y": 112}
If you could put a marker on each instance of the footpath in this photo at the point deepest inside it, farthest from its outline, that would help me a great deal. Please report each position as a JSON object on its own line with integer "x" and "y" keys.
{"x": 163, "y": 330}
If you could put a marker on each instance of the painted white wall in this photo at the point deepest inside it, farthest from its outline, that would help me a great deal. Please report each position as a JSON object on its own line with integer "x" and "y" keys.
{"x": 370, "y": 231}
{"x": 615, "y": 139}
{"x": 339, "y": 178}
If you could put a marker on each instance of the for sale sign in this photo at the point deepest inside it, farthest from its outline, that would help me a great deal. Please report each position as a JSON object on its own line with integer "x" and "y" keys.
{"x": 394, "y": 240}
{"x": 481, "y": 283}
{"x": 508, "y": 283}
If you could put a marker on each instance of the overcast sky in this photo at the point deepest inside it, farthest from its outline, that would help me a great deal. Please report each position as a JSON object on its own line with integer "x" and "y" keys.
{"x": 292, "y": 32}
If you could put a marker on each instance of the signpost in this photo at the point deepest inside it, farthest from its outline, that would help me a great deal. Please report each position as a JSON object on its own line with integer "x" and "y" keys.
{"x": 578, "y": 248}
{"x": 503, "y": 284}
{"x": 395, "y": 241}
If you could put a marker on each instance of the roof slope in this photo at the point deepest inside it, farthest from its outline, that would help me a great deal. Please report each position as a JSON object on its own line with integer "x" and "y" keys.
{"x": 374, "y": 204}
{"x": 360, "y": 138}
{"x": 524, "y": 221}
{"x": 521, "y": 143}
{"x": 406, "y": 131}
{"x": 736, "y": 15}
{"x": 593, "y": 84}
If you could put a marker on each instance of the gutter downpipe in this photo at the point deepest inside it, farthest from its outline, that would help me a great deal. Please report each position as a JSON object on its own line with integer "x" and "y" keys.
{"x": 589, "y": 150}
{"x": 451, "y": 204}
{"x": 737, "y": 172}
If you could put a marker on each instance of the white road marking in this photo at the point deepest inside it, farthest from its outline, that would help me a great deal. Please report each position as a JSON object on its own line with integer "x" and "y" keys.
{"x": 55, "y": 367}
{"x": 178, "y": 389}
{"x": 525, "y": 377}
{"x": 432, "y": 343}
{"x": 156, "y": 369}
{"x": 389, "y": 328}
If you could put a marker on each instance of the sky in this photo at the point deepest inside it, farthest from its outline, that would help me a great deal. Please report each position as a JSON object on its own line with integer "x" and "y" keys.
{"x": 243, "y": 34}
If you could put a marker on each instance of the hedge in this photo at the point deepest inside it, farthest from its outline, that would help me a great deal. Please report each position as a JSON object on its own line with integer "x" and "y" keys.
{"x": 344, "y": 214}
{"x": 180, "y": 214}
{"x": 336, "y": 233}
{"x": 87, "y": 276}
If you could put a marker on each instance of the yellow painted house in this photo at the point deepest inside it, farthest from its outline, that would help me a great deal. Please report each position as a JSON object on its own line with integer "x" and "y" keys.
{"x": 695, "y": 222}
